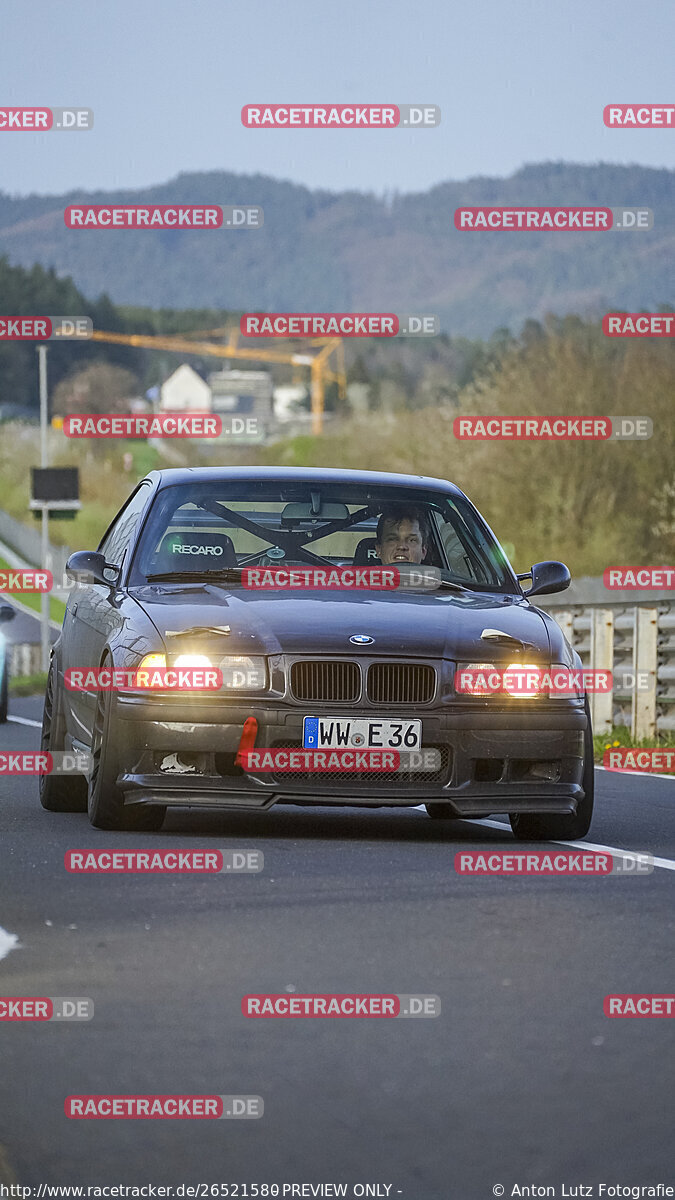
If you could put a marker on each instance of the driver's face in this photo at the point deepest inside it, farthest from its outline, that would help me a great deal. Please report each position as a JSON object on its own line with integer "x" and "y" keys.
{"x": 401, "y": 542}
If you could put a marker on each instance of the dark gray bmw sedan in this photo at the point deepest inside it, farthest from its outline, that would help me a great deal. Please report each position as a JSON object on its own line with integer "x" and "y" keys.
{"x": 333, "y": 612}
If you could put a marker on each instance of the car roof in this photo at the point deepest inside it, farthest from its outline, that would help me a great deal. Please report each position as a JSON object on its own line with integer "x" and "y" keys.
{"x": 317, "y": 475}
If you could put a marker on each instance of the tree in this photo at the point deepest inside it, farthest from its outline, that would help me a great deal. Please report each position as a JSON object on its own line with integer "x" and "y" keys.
{"x": 99, "y": 388}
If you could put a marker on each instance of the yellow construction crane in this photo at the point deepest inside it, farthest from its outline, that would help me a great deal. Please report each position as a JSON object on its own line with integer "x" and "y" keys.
{"x": 188, "y": 344}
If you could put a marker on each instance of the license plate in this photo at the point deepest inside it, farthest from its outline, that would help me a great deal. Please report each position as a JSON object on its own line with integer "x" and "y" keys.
{"x": 360, "y": 732}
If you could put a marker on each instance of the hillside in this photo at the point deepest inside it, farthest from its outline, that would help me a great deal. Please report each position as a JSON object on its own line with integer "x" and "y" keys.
{"x": 323, "y": 251}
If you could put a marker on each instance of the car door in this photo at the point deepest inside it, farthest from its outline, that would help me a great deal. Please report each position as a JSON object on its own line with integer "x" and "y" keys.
{"x": 96, "y": 617}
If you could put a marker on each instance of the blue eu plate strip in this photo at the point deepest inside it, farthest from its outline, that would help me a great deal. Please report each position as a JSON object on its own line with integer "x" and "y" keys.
{"x": 310, "y": 733}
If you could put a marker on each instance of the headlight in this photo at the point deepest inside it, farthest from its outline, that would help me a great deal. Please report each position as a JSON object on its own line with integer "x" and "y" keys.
{"x": 520, "y": 681}
{"x": 243, "y": 673}
{"x": 473, "y": 679}
{"x": 152, "y": 662}
{"x": 571, "y": 687}
{"x": 518, "y": 685}
{"x": 192, "y": 660}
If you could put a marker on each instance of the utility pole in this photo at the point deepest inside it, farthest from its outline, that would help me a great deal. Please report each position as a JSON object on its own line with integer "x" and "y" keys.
{"x": 44, "y": 597}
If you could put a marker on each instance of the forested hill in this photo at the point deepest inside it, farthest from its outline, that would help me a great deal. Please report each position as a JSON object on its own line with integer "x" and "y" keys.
{"x": 350, "y": 251}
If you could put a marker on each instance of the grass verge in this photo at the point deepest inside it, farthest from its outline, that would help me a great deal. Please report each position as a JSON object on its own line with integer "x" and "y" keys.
{"x": 34, "y": 600}
{"x": 28, "y": 685}
{"x": 621, "y": 736}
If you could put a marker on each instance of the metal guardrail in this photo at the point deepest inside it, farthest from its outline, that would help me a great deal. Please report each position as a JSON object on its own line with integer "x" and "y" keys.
{"x": 24, "y": 658}
{"x": 632, "y": 634}
{"x": 27, "y": 543}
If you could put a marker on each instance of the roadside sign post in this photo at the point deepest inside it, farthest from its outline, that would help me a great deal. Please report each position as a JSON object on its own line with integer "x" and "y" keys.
{"x": 44, "y": 598}
{"x": 55, "y": 492}
{"x": 42, "y": 369}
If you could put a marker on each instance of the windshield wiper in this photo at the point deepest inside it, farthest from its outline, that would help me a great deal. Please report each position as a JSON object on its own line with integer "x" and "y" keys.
{"x": 233, "y": 574}
{"x": 224, "y": 575}
{"x": 455, "y": 587}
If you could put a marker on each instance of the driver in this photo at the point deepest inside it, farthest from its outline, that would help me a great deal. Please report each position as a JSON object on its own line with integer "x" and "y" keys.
{"x": 402, "y": 535}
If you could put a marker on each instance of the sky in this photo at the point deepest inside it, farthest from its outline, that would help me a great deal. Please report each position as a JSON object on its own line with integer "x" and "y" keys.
{"x": 518, "y": 81}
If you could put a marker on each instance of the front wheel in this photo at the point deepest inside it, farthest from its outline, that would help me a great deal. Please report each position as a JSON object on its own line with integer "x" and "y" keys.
{"x": 58, "y": 793}
{"x": 540, "y": 827}
{"x": 106, "y": 806}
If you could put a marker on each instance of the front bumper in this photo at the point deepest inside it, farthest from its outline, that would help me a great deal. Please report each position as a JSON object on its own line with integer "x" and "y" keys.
{"x": 493, "y": 761}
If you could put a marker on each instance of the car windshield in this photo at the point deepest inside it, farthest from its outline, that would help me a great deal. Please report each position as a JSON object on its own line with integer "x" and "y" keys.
{"x": 212, "y": 528}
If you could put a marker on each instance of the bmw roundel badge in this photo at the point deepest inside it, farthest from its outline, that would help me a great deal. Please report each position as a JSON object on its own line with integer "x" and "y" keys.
{"x": 361, "y": 639}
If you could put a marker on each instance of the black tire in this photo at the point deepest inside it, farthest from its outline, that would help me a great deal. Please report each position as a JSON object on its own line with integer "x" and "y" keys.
{"x": 105, "y": 801}
{"x": 58, "y": 793}
{"x": 440, "y": 812}
{"x": 540, "y": 827}
{"x": 4, "y": 694}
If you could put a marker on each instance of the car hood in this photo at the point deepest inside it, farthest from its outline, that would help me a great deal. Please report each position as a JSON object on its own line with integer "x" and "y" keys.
{"x": 439, "y": 625}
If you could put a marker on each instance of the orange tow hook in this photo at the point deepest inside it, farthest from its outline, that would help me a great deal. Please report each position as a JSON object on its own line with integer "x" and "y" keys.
{"x": 247, "y": 740}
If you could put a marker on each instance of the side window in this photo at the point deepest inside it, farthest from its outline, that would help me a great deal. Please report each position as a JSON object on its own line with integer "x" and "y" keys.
{"x": 458, "y": 560}
{"x": 116, "y": 540}
{"x": 467, "y": 552}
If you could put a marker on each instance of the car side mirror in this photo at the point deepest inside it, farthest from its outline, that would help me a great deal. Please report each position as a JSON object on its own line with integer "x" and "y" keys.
{"x": 547, "y": 577}
{"x": 88, "y": 566}
{"x": 7, "y": 613}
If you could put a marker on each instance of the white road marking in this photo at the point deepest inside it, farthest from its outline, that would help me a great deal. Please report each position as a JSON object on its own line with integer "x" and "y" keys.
{"x": 650, "y": 774}
{"x": 668, "y": 864}
{"x": 8, "y": 941}
{"x": 25, "y": 721}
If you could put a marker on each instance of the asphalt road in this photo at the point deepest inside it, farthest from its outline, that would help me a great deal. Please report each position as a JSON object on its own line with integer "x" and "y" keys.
{"x": 521, "y": 1080}
{"x": 25, "y": 627}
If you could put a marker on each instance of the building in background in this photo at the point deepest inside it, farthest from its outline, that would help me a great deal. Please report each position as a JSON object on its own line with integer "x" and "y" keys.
{"x": 244, "y": 394}
{"x": 185, "y": 391}
{"x": 236, "y": 396}
{"x": 291, "y": 403}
